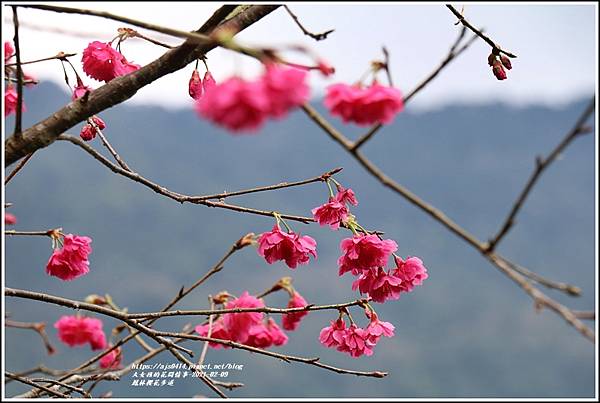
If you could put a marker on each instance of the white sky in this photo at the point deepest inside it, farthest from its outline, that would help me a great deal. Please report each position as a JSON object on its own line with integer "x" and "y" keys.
{"x": 556, "y": 46}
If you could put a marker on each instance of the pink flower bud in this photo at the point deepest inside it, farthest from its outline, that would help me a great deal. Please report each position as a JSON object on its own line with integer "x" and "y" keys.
{"x": 195, "y": 85}
{"x": 325, "y": 68}
{"x": 506, "y": 62}
{"x": 209, "y": 82}
{"x": 498, "y": 70}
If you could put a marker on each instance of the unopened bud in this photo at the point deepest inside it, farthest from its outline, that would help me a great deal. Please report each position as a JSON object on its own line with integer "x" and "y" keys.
{"x": 325, "y": 68}
{"x": 95, "y": 299}
{"x": 221, "y": 297}
{"x": 246, "y": 240}
{"x": 498, "y": 71}
{"x": 506, "y": 62}
{"x": 491, "y": 59}
{"x": 195, "y": 85}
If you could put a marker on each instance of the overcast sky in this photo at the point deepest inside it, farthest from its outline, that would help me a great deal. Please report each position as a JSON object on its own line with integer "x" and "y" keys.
{"x": 555, "y": 44}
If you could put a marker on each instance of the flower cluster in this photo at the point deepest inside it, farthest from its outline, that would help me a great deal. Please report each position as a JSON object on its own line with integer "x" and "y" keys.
{"x": 294, "y": 249}
{"x": 71, "y": 260}
{"x": 90, "y": 129}
{"x": 197, "y": 86}
{"x": 79, "y": 330}
{"x": 249, "y": 328}
{"x": 239, "y": 105}
{"x": 498, "y": 64}
{"x": 354, "y": 340}
{"x": 103, "y": 63}
{"x": 364, "y": 105}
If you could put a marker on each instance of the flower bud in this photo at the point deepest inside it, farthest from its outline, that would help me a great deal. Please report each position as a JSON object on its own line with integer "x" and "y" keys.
{"x": 195, "y": 85}
{"x": 498, "y": 71}
{"x": 491, "y": 59}
{"x": 506, "y": 62}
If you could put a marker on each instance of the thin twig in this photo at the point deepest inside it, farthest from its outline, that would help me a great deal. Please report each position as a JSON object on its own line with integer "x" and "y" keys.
{"x": 38, "y": 327}
{"x": 168, "y": 193}
{"x": 540, "y": 165}
{"x": 62, "y": 384}
{"x": 284, "y": 357}
{"x": 110, "y": 148}
{"x": 316, "y": 37}
{"x": 452, "y": 54}
{"x": 266, "y": 309}
{"x": 59, "y": 56}
{"x": 586, "y": 315}
{"x": 18, "y": 168}
{"x": 320, "y": 178}
{"x": 19, "y": 116}
{"x": 35, "y": 385}
{"x": 494, "y": 45}
{"x": 28, "y": 233}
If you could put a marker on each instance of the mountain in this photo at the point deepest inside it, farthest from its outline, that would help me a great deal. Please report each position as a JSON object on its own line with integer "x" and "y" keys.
{"x": 467, "y": 332}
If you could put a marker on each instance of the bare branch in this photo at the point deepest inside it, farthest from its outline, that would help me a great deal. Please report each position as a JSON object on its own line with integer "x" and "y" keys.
{"x": 19, "y": 116}
{"x": 58, "y": 56}
{"x": 540, "y": 165}
{"x": 17, "y": 168}
{"x": 494, "y": 45}
{"x": 38, "y": 327}
{"x": 316, "y": 37}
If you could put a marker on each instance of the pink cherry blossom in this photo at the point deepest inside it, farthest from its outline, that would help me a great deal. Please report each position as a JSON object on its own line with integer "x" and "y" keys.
{"x": 332, "y": 213}
{"x": 364, "y": 252}
{"x": 346, "y": 196}
{"x": 379, "y": 285}
{"x": 103, "y": 63}
{"x": 70, "y": 261}
{"x": 111, "y": 360}
{"x": 79, "y": 330}
{"x": 294, "y": 249}
{"x": 333, "y": 335}
{"x": 9, "y": 219}
{"x": 290, "y": 321}
{"x": 238, "y": 324}
{"x": 235, "y": 104}
{"x": 412, "y": 272}
{"x": 10, "y": 101}
{"x": 285, "y": 88}
{"x": 277, "y": 335}
{"x": 259, "y": 336}
{"x": 325, "y": 68}
{"x": 195, "y": 85}
{"x": 209, "y": 82}
{"x": 218, "y": 332}
{"x": 364, "y": 106}
{"x": 377, "y": 328}
{"x": 79, "y": 90}
{"x": 356, "y": 342}
{"x": 9, "y": 51}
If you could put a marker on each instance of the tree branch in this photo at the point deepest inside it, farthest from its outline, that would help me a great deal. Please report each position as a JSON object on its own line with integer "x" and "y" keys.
{"x": 540, "y": 165}
{"x": 122, "y": 88}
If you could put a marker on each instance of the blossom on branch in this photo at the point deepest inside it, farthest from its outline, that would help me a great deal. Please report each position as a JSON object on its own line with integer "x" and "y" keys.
{"x": 10, "y": 101}
{"x": 364, "y": 252}
{"x": 70, "y": 261}
{"x": 412, "y": 272}
{"x": 290, "y": 321}
{"x": 103, "y": 63}
{"x": 294, "y": 249}
{"x": 332, "y": 213}
{"x": 111, "y": 360}
{"x": 9, "y": 219}
{"x": 285, "y": 88}
{"x": 364, "y": 106}
{"x": 79, "y": 330}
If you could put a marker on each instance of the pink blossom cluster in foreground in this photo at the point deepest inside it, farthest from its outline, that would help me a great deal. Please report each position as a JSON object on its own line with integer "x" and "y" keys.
{"x": 290, "y": 247}
{"x": 354, "y": 340}
{"x": 80, "y": 330}
{"x": 103, "y": 63}
{"x": 364, "y": 105}
{"x": 249, "y": 328}
{"x": 71, "y": 260}
{"x": 241, "y": 105}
